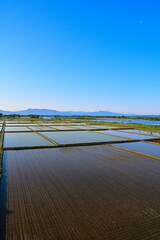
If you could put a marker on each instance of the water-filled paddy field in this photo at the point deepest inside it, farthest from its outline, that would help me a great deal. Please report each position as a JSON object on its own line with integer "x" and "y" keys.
{"x": 142, "y": 147}
{"x": 127, "y": 135}
{"x": 141, "y": 132}
{"x": 139, "y": 121}
{"x": 73, "y": 181}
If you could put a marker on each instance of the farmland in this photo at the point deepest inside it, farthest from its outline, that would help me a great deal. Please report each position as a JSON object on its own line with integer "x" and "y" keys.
{"x": 79, "y": 181}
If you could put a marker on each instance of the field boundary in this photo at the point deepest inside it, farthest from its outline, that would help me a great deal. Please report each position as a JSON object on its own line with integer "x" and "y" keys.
{"x": 68, "y": 145}
{"x": 133, "y": 151}
{"x": 41, "y": 135}
{"x": 138, "y": 133}
{"x": 1, "y": 146}
{"x": 2, "y": 188}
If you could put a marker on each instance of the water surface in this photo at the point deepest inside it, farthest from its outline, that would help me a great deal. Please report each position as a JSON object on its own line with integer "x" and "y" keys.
{"x": 24, "y": 140}
{"x": 142, "y": 147}
{"x": 16, "y": 129}
{"x": 82, "y": 193}
{"x": 138, "y": 121}
{"x": 142, "y": 132}
{"x": 127, "y": 135}
{"x": 80, "y": 137}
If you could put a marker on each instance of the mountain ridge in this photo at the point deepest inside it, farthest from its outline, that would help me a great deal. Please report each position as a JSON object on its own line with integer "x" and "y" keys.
{"x": 37, "y": 111}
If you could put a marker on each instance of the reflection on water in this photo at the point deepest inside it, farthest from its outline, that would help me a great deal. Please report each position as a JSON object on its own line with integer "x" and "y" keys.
{"x": 142, "y": 147}
{"x": 139, "y": 121}
{"x": 80, "y": 137}
{"x": 17, "y": 129}
{"x": 141, "y": 132}
{"x": 24, "y": 139}
{"x": 127, "y": 135}
{"x": 82, "y": 193}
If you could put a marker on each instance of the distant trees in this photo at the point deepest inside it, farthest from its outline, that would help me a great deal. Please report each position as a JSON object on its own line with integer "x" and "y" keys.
{"x": 13, "y": 116}
{"x": 34, "y": 116}
{"x": 57, "y": 118}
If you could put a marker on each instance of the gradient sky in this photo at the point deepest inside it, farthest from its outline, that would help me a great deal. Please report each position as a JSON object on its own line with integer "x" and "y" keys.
{"x": 80, "y": 55}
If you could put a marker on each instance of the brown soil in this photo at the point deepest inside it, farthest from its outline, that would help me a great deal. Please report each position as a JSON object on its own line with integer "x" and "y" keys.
{"x": 155, "y": 140}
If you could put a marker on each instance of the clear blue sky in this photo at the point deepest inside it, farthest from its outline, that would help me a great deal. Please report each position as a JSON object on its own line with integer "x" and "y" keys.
{"x": 80, "y": 55}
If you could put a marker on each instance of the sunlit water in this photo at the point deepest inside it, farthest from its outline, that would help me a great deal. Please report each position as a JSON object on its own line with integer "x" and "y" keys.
{"x": 139, "y": 121}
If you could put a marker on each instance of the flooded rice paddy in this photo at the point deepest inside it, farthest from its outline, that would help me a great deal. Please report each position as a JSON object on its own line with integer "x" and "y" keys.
{"x": 75, "y": 137}
{"x": 81, "y": 193}
{"x": 127, "y": 135}
{"x": 91, "y": 192}
{"x": 141, "y": 132}
{"x": 138, "y": 121}
{"x": 62, "y": 127}
{"x": 142, "y": 147}
{"x": 90, "y": 127}
{"x": 17, "y": 129}
{"x": 39, "y": 128}
{"x": 12, "y": 140}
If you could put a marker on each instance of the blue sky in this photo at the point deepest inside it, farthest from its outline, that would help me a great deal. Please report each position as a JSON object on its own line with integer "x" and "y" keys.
{"x": 80, "y": 55}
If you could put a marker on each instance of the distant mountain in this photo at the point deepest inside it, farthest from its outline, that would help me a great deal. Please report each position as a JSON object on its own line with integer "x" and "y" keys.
{"x": 68, "y": 113}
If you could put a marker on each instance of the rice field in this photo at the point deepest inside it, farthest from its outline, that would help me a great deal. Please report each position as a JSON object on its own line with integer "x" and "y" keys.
{"x": 82, "y": 184}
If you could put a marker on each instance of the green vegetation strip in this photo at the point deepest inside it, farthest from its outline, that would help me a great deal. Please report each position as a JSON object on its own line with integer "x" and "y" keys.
{"x": 150, "y": 118}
